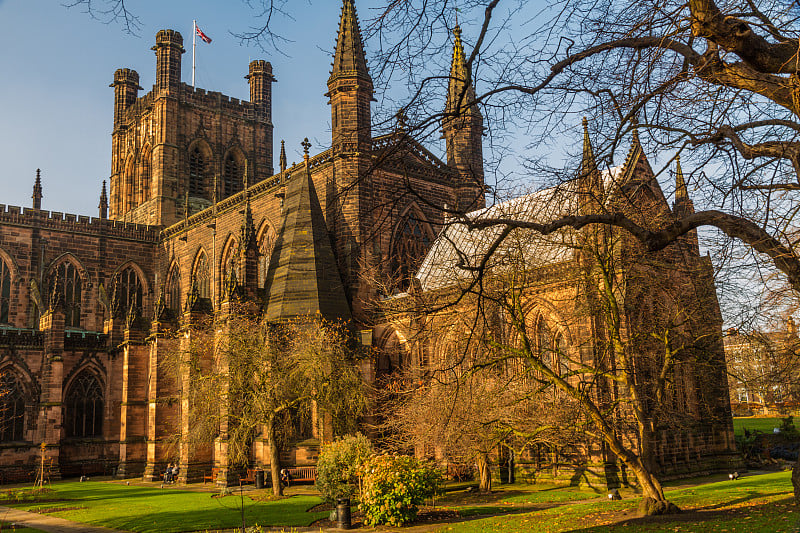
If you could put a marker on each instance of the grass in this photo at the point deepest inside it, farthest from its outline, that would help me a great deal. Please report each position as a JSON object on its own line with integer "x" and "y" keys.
{"x": 145, "y": 509}
{"x": 755, "y": 504}
{"x": 513, "y": 498}
{"x": 6, "y": 527}
{"x": 765, "y": 424}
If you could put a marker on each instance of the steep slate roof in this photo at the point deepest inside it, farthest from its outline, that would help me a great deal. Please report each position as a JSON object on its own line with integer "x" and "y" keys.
{"x": 456, "y": 245}
{"x": 303, "y": 277}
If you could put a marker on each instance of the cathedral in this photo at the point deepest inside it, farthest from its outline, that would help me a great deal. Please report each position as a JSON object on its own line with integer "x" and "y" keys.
{"x": 194, "y": 213}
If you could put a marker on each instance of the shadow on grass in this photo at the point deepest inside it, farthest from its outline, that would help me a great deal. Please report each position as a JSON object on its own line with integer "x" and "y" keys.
{"x": 768, "y": 516}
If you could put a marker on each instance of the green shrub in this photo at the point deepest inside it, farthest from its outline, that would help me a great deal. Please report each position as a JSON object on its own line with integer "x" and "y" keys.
{"x": 394, "y": 485}
{"x": 340, "y": 464}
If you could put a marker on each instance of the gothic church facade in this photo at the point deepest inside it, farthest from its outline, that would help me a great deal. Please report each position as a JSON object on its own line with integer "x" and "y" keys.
{"x": 194, "y": 213}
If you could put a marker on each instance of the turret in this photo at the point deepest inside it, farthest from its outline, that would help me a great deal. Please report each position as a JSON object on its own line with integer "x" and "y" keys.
{"x": 462, "y": 127}
{"x": 168, "y": 49}
{"x": 260, "y": 79}
{"x": 37, "y": 190}
{"x": 350, "y": 87}
{"x": 126, "y": 90}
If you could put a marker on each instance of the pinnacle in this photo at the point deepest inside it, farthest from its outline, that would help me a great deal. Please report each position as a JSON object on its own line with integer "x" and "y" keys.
{"x": 349, "y": 59}
{"x": 460, "y": 90}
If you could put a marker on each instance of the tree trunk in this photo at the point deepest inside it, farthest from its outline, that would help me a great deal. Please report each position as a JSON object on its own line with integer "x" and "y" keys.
{"x": 653, "y": 500}
{"x": 274, "y": 458}
{"x": 796, "y": 480}
{"x": 484, "y": 472}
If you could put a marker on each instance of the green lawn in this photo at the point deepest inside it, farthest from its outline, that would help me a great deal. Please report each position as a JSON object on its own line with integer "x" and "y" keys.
{"x": 6, "y": 526}
{"x": 145, "y": 509}
{"x": 764, "y": 425}
{"x": 753, "y": 504}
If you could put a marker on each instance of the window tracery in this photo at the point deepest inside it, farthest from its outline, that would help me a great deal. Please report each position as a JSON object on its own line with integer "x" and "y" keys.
{"x": 65, "y": 284}
{"x": 5, "y": 292}
{"x": 129, "y": 291}
{"x": 197, "y": 172}
{"x": 174, "y": 290}
{"x": 202, "y": 277}
{"x": 411, "y": 242}
{"x": 12, "y": 403}
{"x": 83, "y": 411}
{"x": 232, "y": 175}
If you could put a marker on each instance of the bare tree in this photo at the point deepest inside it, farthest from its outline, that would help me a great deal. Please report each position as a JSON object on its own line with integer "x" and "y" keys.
{"x": 255, "y": 378}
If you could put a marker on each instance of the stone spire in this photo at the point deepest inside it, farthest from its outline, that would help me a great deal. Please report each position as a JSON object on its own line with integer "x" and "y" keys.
{"x": 37, "y": 190}
{"x": 462, "y": 128}
{"x": 103, "y": 206}
{"x": 303, "y": 279}
{"x": 590, "y": 183}
{"x": 349, "y": 59}
{"x": 683, "y": 204}
{"x": 282, "y": 161}
{"x": 460, "y": 89}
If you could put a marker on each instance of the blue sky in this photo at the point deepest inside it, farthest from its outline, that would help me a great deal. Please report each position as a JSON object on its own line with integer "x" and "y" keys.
{"x": 56, "y": 65}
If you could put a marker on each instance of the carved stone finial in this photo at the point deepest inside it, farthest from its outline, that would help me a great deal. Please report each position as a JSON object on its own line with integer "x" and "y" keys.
{"x": 306, "y": 145}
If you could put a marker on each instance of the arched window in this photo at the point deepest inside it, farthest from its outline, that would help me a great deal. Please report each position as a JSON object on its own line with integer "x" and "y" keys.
{"x": 65, "y": 283}
{"x": 129, "y": 291}
{"x": 5, "y": 292}
{"x": 266, "y": 243}
{"x": 232, "y": 175}
{"x": 145, "y": 175}
{"x": 202, "y": 276}
{"x": 230, "y": 264}
{"x": 197, "y": 173}
{"x": 83, "y": 410}
{"x": 411, "y": 242}
{"x": 545, "y": 343}
{"x": 174, "y": 290}
{"x": 12, "y": 403}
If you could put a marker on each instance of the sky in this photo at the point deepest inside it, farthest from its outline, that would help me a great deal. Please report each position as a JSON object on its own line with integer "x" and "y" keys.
{"x": 56, "y": 65}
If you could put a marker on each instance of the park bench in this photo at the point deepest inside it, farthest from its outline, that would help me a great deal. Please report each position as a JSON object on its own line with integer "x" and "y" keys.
{"x": 212, "y": 477}
{"x": 303, "y": 473}
{"x": 250, "y": 478}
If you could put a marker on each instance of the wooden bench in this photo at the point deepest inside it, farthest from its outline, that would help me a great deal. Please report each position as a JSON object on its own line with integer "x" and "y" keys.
{"x": 212, "y": 477}
{"x": 303, "y": 473}
{"x": 250, "y": 478}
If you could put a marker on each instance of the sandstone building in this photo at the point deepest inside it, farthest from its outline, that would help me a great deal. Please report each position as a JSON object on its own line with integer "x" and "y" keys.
{"x": 195, "y": 212}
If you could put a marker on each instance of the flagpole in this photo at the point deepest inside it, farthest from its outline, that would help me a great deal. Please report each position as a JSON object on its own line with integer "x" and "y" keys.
{"x": 194, "y": 46}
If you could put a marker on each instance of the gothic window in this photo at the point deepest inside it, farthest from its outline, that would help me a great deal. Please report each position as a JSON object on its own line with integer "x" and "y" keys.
{"x": 5, "y": 292}
{"x": 129, "y": 291}
{"x": 265, "y": 245}
{"x": 197, "y": 173}
{"x": 411, "y": 242}
{"x": 202, "y": 276}
{"x": 65, "y": 284}
{"x": 12, "y": 403}
{"x": 232, "y": 174}
{"x": 544, "y": 339}
{"x": 145, "y": 175}
{"x": 83, "y": 410}
{"x": 230, "y": 264}
{"x": 174, "y": 290}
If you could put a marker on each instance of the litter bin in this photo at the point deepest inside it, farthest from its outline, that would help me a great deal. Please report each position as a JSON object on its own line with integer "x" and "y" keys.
{"x": 259, "y": 479}
{"x": 343, "y": 513}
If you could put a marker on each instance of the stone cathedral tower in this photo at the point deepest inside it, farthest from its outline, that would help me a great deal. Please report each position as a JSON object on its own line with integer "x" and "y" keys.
{"x": 177, "y": 140}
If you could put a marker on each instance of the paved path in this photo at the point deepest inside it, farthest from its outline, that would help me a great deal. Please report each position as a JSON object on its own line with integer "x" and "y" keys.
{"x": 48, "y": 523}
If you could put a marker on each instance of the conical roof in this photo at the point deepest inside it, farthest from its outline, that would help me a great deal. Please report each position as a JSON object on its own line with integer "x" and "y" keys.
{"x": 349, "y": 60}
{"x": 459, "y": 91}
{"x": 303, "y": 278}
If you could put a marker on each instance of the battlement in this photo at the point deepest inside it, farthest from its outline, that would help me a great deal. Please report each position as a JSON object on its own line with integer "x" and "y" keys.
{"x": 215, "y": 99}
{"x": 57, "y": 221}
{"x": 169, "y": 38}
{"x": 126, "y": 75}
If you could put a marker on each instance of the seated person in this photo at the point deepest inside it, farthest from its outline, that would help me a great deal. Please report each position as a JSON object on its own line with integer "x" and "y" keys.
{"x": 168, "y": 474}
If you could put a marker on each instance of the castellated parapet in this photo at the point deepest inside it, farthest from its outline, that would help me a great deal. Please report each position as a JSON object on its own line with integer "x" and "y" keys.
{"x": 178, "y": 140}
